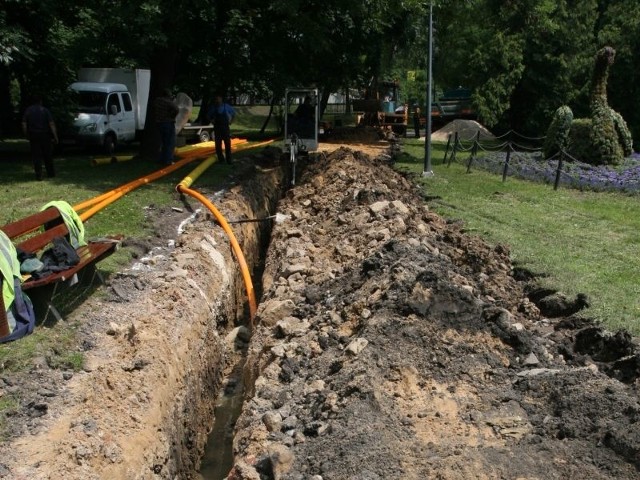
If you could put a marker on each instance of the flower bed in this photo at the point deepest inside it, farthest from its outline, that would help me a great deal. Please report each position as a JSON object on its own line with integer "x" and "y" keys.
{"x": 531, "y": 166}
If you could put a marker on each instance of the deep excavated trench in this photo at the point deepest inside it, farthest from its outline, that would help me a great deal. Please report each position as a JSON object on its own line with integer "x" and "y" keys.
{"x": 217, "y": 460}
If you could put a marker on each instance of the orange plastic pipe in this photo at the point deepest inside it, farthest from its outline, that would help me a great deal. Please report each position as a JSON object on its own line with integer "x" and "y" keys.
{"x": 246, "y": 276}
{"x": 183, "y": 187}
{"x": 110, "y": 197}
{"x": 100, "y": 202}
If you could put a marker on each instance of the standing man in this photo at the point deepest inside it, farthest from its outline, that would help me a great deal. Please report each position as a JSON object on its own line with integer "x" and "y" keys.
{"x": 416, "y": 120}
{"x": 221, "y": 114}
{"x": 38, "y": 126}
{"x": 165, "y": 112}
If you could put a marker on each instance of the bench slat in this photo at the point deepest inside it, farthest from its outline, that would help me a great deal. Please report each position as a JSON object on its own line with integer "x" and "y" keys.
{"x": 30, "y": 223}
{"x": 34, "y": 244}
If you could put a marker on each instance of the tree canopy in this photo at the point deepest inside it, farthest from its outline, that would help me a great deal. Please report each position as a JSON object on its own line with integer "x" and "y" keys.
{"x": 522, "y": 59}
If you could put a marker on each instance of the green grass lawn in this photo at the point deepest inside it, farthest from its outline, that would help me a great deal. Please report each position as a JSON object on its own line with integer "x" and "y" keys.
{"x": 578, "y": 241}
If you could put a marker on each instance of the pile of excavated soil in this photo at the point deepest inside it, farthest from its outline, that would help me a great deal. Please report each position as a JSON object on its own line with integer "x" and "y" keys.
{"x": 467, "y": 130}
{"x": 390, "y": 345}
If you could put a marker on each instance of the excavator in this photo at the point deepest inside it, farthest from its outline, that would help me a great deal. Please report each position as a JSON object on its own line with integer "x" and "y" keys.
{"x": 381, "y": 108}
{"x": 300, "y": 124}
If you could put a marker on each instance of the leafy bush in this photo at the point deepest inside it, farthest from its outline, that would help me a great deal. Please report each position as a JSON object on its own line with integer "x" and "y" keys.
{"x": 557, "y": 138}
{"x": 579, "y": 142}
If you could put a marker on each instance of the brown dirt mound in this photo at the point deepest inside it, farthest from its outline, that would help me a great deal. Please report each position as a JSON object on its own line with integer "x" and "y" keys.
{"x": 392, "y": 345}
{"x": 388, "y": 344}
{"x": 466, "y": 129}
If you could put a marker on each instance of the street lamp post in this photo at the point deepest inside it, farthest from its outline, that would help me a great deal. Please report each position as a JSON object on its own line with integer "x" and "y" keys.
{"x": 427, "y": 172}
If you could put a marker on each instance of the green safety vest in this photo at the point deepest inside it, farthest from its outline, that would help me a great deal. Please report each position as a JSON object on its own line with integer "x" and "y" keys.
{"x": 9, "y": 268}
{"x": 71, "y": 220}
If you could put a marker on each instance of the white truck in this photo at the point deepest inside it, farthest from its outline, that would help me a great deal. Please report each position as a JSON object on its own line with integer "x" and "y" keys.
{"x": 112, "y": 106}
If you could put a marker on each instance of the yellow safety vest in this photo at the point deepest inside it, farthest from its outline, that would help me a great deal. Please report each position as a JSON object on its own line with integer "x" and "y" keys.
{"x": 71, "y": 220}
{"x": 9, "y": 268}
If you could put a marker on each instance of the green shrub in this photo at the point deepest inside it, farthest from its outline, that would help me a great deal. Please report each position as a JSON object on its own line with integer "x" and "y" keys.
{"x": 579, "y": 141}
{"x": 558, "y": 133}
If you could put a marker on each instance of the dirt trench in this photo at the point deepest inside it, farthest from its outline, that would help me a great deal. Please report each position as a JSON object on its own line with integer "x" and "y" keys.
{"x": 388, "y": 344}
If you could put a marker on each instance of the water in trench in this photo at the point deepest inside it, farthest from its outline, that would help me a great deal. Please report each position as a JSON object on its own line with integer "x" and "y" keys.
{"x": 217, "y": 460}
{"x": 218, "y": 454}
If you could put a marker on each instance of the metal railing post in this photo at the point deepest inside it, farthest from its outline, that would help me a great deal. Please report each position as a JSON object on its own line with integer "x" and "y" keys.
{"x": 506, "y": 163}
{"x": 474, "y": 151}
{"x": 559, "y": 170}
{"x": 446, "y": 152}
{"x": 455, "y": 149}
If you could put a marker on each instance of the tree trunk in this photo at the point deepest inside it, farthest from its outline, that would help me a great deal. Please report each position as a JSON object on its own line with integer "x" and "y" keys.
{"x": 8, "y": 124}
{"x": 203, "y": 118}
{"x": 347, "y": 100}
{"x": 163, "y": 66}
{"x": 266, "y": 122}
{"x": 324, "y": 99}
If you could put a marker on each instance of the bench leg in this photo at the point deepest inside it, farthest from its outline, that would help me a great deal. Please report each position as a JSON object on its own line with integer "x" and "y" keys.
{"x": 47, "y": 296}
{"x": 73, "y": 281}
{"x": 54, "y": 311}
{"x": 50, "y": 307}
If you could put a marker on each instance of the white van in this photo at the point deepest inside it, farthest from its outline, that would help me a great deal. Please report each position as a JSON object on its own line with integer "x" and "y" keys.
{"x": 112, "y": 106}
{"x": 105, "y": 115}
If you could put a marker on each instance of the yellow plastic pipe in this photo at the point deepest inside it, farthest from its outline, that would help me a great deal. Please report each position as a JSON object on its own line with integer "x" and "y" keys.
{"x": 188, "y": 154}
{"x": 200, "y": 169}
{"x": 114, "y": 159}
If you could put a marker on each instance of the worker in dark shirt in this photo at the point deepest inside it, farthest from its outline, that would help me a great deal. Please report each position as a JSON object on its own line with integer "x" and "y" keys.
{"x": 38, "y": 126}
{"x": 166, "y": 110}
{"x": 221, "y": 115}
{"x": 416, "y": 120}
{"x": 304, "y": 118}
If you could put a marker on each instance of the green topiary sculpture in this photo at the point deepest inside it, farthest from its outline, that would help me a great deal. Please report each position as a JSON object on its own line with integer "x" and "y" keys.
{"x": 604, "y": 138}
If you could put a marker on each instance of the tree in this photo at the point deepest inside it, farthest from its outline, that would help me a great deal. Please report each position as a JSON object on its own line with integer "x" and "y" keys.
{"x": 521, "y": 58}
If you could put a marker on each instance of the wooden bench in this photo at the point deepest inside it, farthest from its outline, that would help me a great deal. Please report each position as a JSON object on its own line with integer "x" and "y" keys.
{"x": 26, "y": 237}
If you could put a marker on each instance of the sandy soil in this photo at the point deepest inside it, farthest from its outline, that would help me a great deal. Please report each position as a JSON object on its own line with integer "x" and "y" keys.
{"x": 388, "y": 344}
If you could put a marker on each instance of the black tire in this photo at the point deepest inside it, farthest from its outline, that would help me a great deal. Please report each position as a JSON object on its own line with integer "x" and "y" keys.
{"x": 399, "y": 129}
{"x": 204, "y": 136}
{"x": 109, "y": 144}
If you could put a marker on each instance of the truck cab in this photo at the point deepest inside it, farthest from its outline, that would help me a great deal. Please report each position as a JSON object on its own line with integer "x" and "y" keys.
{"x": 105, "y": 115}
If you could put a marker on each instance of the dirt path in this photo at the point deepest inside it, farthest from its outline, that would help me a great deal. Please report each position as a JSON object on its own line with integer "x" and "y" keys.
{"x": 388, "y": 345}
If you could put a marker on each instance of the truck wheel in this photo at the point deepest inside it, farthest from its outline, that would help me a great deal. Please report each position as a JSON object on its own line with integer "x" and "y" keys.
{"x": 109, "y": 144}
{"x": 204, "y": 136}
{"x": 399, "y": 129}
